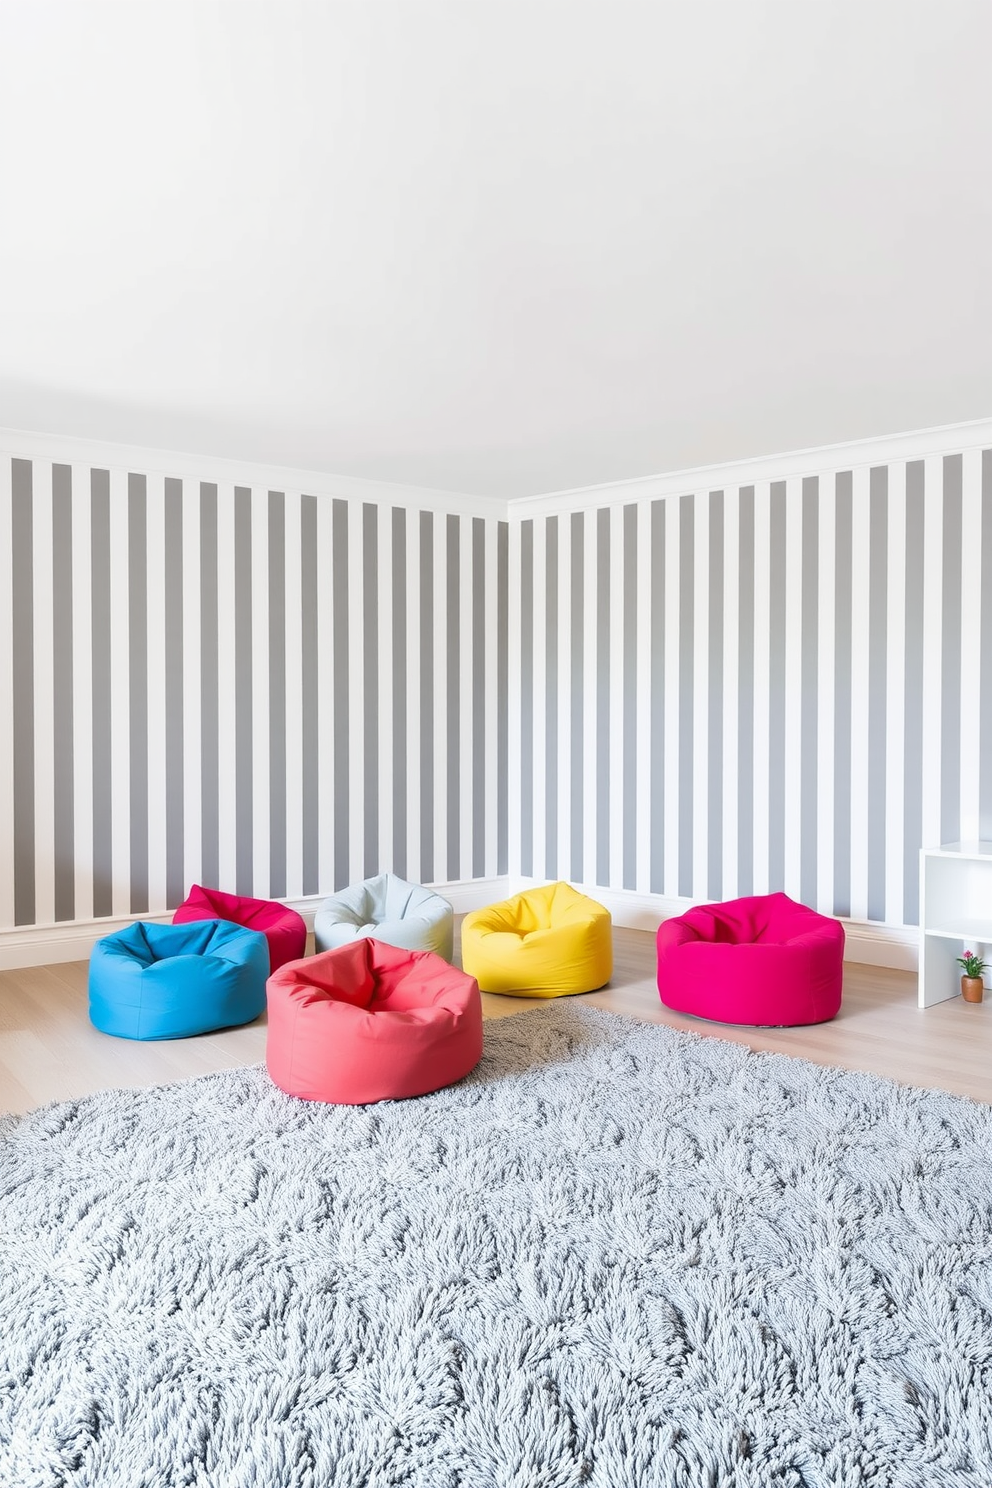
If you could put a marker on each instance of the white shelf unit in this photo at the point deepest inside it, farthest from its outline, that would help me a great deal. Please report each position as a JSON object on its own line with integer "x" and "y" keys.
{"x": 955, "y": 914}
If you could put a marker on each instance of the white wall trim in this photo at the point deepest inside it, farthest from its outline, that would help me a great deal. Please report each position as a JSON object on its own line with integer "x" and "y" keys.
{"x": 871, "y": 944}
{"x": 50, "y": 945}
{"x": 895, "y": 946}
{"x": 473, "y": 893}
{"x": 822, "y": 460}
{"x": 868, "y": 943}
{"x": 101, "y": 454}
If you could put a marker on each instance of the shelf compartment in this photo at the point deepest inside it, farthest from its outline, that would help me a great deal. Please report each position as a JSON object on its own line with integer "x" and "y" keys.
{"x": 979, "y": 931}
{"x": 955, "y": 914}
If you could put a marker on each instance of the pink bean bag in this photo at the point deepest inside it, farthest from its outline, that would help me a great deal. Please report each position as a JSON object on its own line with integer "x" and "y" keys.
{"x": 765, "y": 960}
{"x": 285, "y": 931}
{"x": 369, "y": 1022}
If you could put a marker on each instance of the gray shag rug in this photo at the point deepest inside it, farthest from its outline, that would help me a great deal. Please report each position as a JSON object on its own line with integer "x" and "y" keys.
{"x": 616, "y": 1255}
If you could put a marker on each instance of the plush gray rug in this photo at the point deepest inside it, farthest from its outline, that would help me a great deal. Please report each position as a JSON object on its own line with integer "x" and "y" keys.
{"x": 617, "y": 1255}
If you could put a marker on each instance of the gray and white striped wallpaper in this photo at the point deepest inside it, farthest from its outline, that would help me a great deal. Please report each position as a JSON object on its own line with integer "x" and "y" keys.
{"x": 263, "y": 690}
{"x": 783, "y": 684}
{"x": 778, "y": 686}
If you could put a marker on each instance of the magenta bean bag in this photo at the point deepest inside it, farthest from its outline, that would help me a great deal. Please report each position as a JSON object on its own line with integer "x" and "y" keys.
{"x": 765, "y": 960}
{"x": 285, "y": 931}
{"x": 369, "y": 1022}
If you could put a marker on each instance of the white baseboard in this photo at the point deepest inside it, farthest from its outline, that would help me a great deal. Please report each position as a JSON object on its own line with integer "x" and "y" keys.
{"x": 894, "y": 946}
{"x": 49, "y": 945}
{"x": 473, "y": 893}
{"x": 872, "y": 944}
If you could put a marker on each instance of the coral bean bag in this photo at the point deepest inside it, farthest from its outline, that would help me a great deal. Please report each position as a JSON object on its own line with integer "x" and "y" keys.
{"x": 171, "y": 981}
{"x": 764, "y": 960}
{"x": 285, "y": 931}
{"x": 547, "y": 942}
{"x": 390, "y": 909}
{"x": 370, "y": 1022}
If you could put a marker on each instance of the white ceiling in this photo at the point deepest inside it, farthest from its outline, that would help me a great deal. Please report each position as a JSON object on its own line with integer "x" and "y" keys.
{"x": 494, "y": 247}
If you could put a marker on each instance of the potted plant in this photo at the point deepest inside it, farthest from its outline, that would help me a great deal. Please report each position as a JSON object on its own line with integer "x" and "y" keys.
{"x": 972, "y": 985}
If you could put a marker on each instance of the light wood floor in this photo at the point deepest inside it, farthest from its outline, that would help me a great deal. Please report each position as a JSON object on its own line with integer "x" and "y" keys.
{"x": 49, "y": 1051}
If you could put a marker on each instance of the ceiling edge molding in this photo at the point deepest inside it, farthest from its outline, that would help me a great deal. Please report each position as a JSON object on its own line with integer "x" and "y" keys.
{"x": 823, "y": 460}
{"x": 71, "y": 450}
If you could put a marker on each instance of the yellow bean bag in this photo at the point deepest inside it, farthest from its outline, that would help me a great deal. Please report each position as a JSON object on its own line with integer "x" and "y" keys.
{"x": 546, "y": 942}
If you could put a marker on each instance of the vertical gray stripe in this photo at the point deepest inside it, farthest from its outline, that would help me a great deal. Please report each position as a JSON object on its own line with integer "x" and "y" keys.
{"x": 630, "y": 697}
{"x": 478, "y": 697}
{"x": 913, "y": 695}
{"x": 603, "y": 760}
{"x": 400, "y": 623}
{"x": 370, "y": 648}
{"x": 62, "y": 643}
{"x": 310, "y": 667}
{"x": 527, "y": 698}
{"x": 950, "y": 663}
{"x": 745, "y": 694}
{"x": 657, "y": 881}
{"x": 244, "y": 815}
{"x": 175, "y": 783}
{"x": 339, "y": 607}
{"x": 277, "y": 694}
{"x": 22, "y": 723}
{"x": 427, "y": 873}
{"x": 714, "y": 753}
{"x": 103, "y": 889}
{"x": 809, "y": 685}
{"x": 454, "y": 698}
{"x": 550, "y": 867}
{"x": 209, "y": 680}
{"x": 137, "y": 568}
{"x": 776, "y": 689}
{"x": 502, "y": 696}
{"x": 687, "y": 548}
{"x": 577, "y": 649}
{"x": 878, "y": 557}
{"x": 985, "y": 662}
{"x": 842, "y": 693}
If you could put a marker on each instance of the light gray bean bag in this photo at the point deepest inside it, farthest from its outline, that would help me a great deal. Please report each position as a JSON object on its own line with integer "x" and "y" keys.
{"x": 386, "y": 908}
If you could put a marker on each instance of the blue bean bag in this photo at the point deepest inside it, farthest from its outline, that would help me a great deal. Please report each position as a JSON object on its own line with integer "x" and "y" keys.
{"x": 171, "y": 981}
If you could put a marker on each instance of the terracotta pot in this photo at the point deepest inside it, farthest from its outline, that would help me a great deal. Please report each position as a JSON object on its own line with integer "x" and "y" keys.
{"x": 972, "y": 988}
